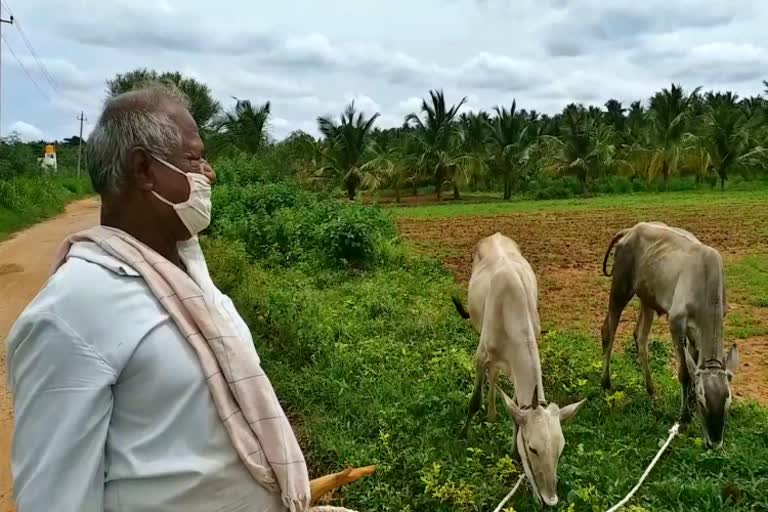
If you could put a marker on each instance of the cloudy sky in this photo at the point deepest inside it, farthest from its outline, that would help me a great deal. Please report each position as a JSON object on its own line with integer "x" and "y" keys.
{"x": 310, "y": 57}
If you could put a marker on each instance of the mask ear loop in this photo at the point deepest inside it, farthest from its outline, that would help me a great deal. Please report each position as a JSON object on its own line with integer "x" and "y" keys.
{"x": 175, "y": 169}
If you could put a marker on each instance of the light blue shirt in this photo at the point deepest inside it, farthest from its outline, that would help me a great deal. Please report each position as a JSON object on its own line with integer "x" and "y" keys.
{"x": 112, "y": 413}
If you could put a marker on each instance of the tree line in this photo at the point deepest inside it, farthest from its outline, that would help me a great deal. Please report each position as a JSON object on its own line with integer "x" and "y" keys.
{"x": 703, "y": 136}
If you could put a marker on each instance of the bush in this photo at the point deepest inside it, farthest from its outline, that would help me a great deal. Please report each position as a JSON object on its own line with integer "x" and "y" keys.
{"x": 281, "y": 224}
{"x": 27, "y": 199}
{"x": 352, "y": 234}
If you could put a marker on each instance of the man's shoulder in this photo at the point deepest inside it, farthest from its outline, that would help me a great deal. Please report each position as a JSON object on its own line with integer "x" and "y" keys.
{"x": 76, "y": 285}
{"x": 93, "y": 305}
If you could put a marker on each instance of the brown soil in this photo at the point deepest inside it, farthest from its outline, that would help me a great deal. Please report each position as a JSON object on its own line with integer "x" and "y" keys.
{"x": 25, "y": 261}
{"x": 566, "y": 250}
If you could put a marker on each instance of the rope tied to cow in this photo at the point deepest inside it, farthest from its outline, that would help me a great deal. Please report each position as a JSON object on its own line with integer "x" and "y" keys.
{"x": 510, "y": 494}
{"x": 672, "y": 433}
{"x": 327, "y": 508}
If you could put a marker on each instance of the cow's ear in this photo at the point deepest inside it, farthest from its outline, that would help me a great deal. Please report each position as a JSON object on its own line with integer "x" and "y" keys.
{"x": 732, "y": 361}
{"x": 569, "y": 411}
{"x": 517, "y": 414}
{"x": 693, "y": 368}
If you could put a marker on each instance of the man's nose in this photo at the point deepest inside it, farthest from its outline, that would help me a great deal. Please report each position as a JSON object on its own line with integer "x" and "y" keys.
{"x": 208, "y": 171}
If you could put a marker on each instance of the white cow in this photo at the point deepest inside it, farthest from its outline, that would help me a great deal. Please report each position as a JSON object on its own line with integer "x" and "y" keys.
{"x": 673, "y": 273}
{"x": 503, "y": 296}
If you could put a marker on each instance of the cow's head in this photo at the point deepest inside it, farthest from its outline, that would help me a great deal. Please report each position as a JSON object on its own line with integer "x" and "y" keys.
{"x": 540, "y": 442}
{"x": 712, "y": 389}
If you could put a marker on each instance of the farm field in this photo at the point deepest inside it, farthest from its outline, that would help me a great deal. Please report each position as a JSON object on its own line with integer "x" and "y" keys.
{"x": 374, "y": 365}
{"x": 340, "y": 171}
{"x": 565, "y": 241}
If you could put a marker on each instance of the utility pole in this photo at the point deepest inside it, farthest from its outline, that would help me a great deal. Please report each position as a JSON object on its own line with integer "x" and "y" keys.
{"x": 10, "y": 22}
{"x": 80, "y": 142}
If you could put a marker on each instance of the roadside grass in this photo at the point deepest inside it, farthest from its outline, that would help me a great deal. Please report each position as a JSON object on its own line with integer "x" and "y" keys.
{"x": 375, "y": 367}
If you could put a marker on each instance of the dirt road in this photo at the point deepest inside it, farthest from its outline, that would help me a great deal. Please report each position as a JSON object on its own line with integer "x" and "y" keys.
{"x": 24, "y": 264}
{"x": 567, "y": 247}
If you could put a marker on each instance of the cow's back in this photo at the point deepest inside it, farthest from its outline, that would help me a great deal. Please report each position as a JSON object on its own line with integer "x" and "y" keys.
{"x": 494, "y": 256}
{"x": 664, "y": 258}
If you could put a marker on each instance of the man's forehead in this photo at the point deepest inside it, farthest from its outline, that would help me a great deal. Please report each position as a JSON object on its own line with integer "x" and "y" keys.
{"x": 187, "y": 126}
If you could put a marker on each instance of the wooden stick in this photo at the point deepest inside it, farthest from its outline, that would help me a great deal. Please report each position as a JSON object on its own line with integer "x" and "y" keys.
{"x": 319, "y": 487}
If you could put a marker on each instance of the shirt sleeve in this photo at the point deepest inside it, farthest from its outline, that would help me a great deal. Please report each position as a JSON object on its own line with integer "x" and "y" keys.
{"x": 62, "y": 404}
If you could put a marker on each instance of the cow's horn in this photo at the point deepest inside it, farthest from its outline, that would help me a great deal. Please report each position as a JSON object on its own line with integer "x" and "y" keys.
{"x": 319, "y": 487}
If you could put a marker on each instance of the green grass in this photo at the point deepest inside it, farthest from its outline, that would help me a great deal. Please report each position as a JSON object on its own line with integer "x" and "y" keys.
{"x": 749, "y": 277}
{"x": 375, "y": 368}
{"x": 755, "y": 197}
{"x": 27, "y": 200}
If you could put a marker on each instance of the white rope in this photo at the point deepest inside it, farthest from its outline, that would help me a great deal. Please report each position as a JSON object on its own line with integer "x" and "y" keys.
{"x": 511, "y": 493}
{"x": 672, "y": 433}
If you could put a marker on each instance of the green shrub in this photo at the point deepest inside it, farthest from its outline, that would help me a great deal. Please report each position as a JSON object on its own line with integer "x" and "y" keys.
{"x": 25, "y": 199}
{"x": 281, "y": 224}
{"x": 227, "y": 260}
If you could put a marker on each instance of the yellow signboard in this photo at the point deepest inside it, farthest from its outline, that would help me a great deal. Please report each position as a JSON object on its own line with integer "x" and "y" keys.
{"x": 50, "y": 149}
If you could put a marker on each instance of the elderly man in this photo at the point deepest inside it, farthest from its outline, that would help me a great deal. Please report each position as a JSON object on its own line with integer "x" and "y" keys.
{"x": 136, "y": 384}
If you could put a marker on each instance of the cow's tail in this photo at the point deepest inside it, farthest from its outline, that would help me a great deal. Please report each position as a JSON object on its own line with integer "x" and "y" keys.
{"x": 460, "y": 307}
{"x": 618, "y": 236}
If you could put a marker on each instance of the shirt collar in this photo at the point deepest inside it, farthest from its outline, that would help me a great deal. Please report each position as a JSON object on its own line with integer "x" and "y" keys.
{"x": 91, "y": 252}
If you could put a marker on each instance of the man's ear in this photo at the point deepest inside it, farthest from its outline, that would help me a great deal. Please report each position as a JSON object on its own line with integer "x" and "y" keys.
{"x": 139, "y": 169}
{"x": 517, "y": 414}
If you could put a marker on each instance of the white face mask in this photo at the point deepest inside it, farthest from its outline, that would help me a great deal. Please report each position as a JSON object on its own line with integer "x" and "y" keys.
{"x": 195, "y": 212}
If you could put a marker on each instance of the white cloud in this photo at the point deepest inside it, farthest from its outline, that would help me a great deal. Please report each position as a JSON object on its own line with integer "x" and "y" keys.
{"x": 491, "y": 71}
{"x": 27, "y": 132}
{"x": 305, "y": 58}
{"x": 364, "y": 104}
{"x": 412, "y": 104}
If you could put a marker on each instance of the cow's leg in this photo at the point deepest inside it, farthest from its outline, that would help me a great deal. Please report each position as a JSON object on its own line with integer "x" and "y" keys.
{"x": 493, "y": 372}
{"x": 621, "y": 294}
{"x": 642, "y": 330}
{"x": 677, "y": 328}
{"x": 477, "y": 397}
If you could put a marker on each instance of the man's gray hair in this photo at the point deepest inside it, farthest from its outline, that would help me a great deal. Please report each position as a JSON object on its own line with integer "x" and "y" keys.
{"x": 135, "y": 118}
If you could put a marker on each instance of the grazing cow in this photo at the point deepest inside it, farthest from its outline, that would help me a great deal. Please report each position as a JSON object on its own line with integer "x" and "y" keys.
{"x": 673, "y": 273}
{"x": 503, "y": 296}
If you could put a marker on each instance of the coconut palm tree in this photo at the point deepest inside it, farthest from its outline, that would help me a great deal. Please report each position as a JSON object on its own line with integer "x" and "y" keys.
{"x": 245, "y": 128}
{"x": 474, "y": 131}
{"x": 615, "y": 114}
{"x": 390, "y": 165}
{"x": 729, "y": 138}
{"x": 345, "y": 147}
{"x": 511, "y": 137}
{"x": 670, "y": 116}
{"x": 436, "y": 136}
{"x": 584, "y": 149}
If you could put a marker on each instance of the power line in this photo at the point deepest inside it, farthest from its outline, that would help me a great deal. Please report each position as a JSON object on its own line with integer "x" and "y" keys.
{"x": 30, "y": 48}
{"x": 24, "y": 69}
{"x": 10, "y": 22}
{"x": 34, "y": 54}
